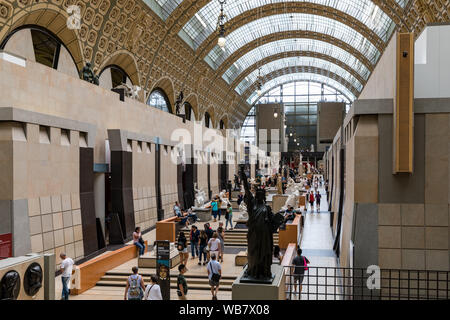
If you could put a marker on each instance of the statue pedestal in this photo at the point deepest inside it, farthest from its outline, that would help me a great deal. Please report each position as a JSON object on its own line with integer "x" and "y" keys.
{"x": 261, "y": 291}
{"x": 148, "y": 259}
{"x": 204, "y": 214}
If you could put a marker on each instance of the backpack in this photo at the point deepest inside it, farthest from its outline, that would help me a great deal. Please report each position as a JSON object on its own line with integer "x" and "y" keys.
{"x": 134, "y": 291}
{"x": 180, "y": 245}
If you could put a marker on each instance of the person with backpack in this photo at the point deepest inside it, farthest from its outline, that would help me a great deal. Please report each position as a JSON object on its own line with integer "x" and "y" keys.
{"x": 215, "y": 208}
{"x": 135, "y": 286}
{"x": 214, "y": 274}
{"x": 153, "y": 290}
{"x": 300, "y": 262}
{"x": 182, "y": 287}
{"x": 182, "y": 247}
{"x": 193, "y": 237}
{"x": 202, "y": 244}
{"x": 229, "y": 217}
{"x": 208, "y": 230}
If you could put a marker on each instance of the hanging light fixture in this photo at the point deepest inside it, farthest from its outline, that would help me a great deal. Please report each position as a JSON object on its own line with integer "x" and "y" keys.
{"x": 221, "y": 25}
{"x": 259, "y": 90}
{"x": 275, "y": 113}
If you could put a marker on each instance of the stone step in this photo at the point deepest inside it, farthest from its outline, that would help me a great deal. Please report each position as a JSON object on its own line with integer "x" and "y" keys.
{"x": 204, "y": 280}
{"x": 173, "y": 285}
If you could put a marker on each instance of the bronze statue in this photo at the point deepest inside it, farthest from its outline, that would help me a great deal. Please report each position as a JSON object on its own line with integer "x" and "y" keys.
{"x": 33, "y": 279}
{"x": 261, "y": 226}
{"x": 10, "y": 286}
{"x": 88, "y": 75}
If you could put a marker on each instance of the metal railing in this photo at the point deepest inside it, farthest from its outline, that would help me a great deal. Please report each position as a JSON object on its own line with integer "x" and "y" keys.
{"x": 336, "y": 283}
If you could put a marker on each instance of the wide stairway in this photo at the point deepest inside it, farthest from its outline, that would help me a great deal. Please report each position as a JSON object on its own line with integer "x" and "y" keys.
{"x": 195, "y": 281}
{"x": 234, "y": 238}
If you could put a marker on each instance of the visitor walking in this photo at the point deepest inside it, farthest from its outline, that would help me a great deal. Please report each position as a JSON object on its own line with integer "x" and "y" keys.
{"x": 311, "y": 200}
{"x": 318, "y": 197}
{"x": 240, "y": 198}
{"x": 193, "y": 237}
{"x": 135, "y": 286}
{"x": 214, "y": 274}
{"x": 138, "y": 241}
{"x": 66, "y": 272}
{"x": 214, "y": 245}
{"x": 182, "y": 287}
{"x": 153, "y": 290}
{"x": 215, "y": 208}
{"x": 300, "y": 262}
{"x": 221, "y": 237}
{"x": 229, "y": 217}
{"x": 209, "y": 231}
{"x": 202, "y": 243}
{"x": 182, "y": 247}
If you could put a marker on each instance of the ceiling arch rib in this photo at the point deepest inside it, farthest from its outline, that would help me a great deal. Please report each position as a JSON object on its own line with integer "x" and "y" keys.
{"x": 295, "y": 47}
{"x": 292, "y": 22}
{"x": 293, "y": 62}
{"x": 364, "y": 14}
{"x": 317, "y": 10}
{"x": 314, "y": 73}
{"x": 285, "y": 82}
{"x": 331, "y": 45}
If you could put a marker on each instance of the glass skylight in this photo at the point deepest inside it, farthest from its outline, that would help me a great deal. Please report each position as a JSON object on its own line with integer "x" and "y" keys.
{"x": 163, "y": 8}
{"x": 293, "y": 62}
{"x": 301, "y": 77}
{"x": 289, "y": 22}
{"x": 203, "y": 24}
{"x": 289, "y": 45}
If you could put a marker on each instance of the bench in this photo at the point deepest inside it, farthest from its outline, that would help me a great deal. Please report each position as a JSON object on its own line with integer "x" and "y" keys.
{"x": 90, "y": 272}
{"x": 167, "y": 229}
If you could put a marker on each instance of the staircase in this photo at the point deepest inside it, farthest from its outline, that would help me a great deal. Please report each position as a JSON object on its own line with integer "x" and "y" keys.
{"x": 195, "y": 281}
{"x": 234, "y": 238}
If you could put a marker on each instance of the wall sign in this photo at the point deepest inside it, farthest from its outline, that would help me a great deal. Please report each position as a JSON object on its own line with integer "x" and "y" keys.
{"x": 163, "y": 267}
{"x": 5, "y": 245}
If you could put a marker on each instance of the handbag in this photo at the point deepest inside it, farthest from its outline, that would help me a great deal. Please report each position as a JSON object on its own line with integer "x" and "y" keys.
{"x": 141, "y": 241}
{"x": 215, "y": 276}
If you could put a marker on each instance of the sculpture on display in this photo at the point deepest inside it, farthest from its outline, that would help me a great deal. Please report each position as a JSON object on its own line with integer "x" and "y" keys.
{"x": 33, "y": 279}
{"x": 88, "y": 75}
{"x": 130, "y": 91}
{"x": 262, "y": 223}
{"x": 291, "y": 201}
{"x": 223, "y": 197}
{"x": 200, "y": 197}
{"x": 10, "y": 286}
{"x": 243, "y": 214}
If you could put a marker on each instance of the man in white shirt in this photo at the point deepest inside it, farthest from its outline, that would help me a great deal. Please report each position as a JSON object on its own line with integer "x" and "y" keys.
{"x": 214, "y": 268}
{"x": 66, "y": 269}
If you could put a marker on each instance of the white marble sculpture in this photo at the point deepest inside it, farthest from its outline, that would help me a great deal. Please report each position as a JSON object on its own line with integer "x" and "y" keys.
{"x": 223, "y": 198}
{"x": 243, "y": 211}
{"x": 200, "y": 198}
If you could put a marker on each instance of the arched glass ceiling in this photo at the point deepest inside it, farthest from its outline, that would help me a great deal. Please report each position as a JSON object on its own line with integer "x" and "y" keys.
{"x": 203, "y": 24}
{"x": 293, "y": 62}
{"x": 302, "y": 77}
{"x": 288, "y": 45}
{"x": 289, "y": 22}
{"x": 163, "y": 8}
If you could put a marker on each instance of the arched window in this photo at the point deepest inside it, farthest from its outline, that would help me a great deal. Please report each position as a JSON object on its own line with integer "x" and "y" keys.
{"x": 222, "y": 125}
{"x": 207, "y": 120}
{"x": 113, "y": 76}
{"x": 158, "y": 99}
{"x": 41, "y": 45}
{"x": 188, "y": 111}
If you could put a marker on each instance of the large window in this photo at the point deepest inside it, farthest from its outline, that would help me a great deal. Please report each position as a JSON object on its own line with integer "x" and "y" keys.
{"x": 159, "y": 100}
{"x": 207, "y": 120}
{"x": 248, "y": 130}
{"x": 300, "y": 100}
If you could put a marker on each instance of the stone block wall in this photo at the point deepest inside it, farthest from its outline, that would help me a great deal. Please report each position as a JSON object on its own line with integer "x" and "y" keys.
{"x": 169, "y": 191}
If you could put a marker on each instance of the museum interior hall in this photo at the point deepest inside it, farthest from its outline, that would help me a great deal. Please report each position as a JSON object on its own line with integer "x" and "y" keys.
{"x": 224, "y": 150}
